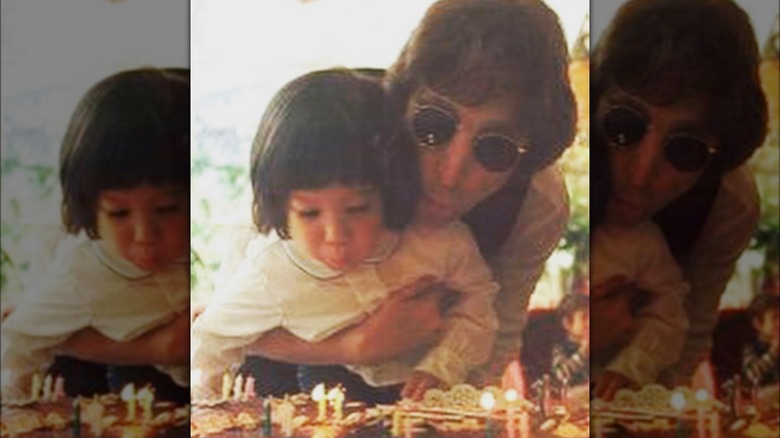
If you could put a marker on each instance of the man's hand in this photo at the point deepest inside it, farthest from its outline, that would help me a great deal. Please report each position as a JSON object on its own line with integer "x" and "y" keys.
{"x": 418, "y": 383}
{"x": 609, "y": 383}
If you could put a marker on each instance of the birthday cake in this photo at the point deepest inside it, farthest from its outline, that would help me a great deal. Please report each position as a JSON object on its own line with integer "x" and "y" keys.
{"x": 461, "y": 412}
{"x": 130, "y": 415}
{"x": 657, "y": 412}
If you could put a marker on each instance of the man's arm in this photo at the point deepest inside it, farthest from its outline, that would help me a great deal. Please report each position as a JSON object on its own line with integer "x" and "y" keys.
{"x": 520, "y": 263}
{"x": 168, "y": 344}
{"x": 382, "y": 336}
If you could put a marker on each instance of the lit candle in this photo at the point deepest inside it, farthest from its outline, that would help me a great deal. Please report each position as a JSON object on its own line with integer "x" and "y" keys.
{"x": 267, "y": 424}
{"x": 146, "y": 397}
{"x": 598, "y": 424}
{"x": 714, "y": 424}
{"x": 336, "y": 398}
{"x": 76, "y": 417}
{"x": 286, "y": 414}
{"x": 318, "y": 395}
{"x": 488, "y": 401}
{"x": 525, "y": 424}
{"x": 237, "y": 388}
{"x": 128, "y": 395}
{"x": 678, "y": 403}
{"x": 701, "y": 399}
{"x": 35, "y": 390}
{"x": 395, "y": 430}
{"x": 47, "y": 388}
{"x": 407, "y": 426}
{"x": 249, "y": 389}
{"x": 511, "y": 397}
{"x": 59, "y": 388}
{"x": 227, "y": 385}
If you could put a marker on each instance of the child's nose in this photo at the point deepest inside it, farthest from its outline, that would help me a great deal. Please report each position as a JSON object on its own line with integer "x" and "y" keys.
{"x": 146, "y": 231}
{"x": 336, "y": 231}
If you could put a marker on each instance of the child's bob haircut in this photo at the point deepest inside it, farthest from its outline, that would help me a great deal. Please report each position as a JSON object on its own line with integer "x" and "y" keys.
{"x": 332, "y": 127}
{"x": 131, "y": 128}
{"x": 573, "y": 302}
{"x": 762, "y": 303}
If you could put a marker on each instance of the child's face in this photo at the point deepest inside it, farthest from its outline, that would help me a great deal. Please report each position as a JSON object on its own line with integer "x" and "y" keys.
{"x": 146, "y": 225}
{"x": 337, "y": 225}
{"x": 577, "y": 324}
{"x": 767, "y": 325}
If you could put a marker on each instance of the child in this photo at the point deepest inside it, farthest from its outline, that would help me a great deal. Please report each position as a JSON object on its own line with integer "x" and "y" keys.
{"x": 571, "y": 359}
{"x": 638, "y": 254}
{"x": 124, "y": 171}
{"x": 336, "y": 178}
{"x": 760, "y": 357}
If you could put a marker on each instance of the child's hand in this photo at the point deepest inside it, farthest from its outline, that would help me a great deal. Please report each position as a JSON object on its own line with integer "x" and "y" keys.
{"x": 609, "y": 383}
{"x": 418, "y": 383}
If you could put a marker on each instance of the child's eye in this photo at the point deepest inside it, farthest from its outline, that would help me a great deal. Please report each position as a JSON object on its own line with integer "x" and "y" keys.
{"x": 118, "y": 214}
{"x": 359, "y": 209}
{"x": 170, "y": 208}
{"x": 308, "y": 214}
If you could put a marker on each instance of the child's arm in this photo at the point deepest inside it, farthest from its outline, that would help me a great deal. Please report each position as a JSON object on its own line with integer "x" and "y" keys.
{"x": 662, "y": 322}
{"x": 239, "y": 314}
{"x": 471, "y": 323}
{"x": 44, "y": 318}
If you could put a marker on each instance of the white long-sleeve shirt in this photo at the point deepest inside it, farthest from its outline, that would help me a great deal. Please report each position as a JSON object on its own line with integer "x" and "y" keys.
{"x": 276, "y": 285}
{"x": 520, "y": 263}
{"x": 87, "y": 286}
{"x": 641, "y": 256}
{"x": 730, "y": 226}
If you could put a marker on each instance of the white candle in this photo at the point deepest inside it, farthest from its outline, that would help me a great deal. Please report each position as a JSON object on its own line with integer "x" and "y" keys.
{"x": 318, "y": 395}
{"x": 678, "y": 403}
{"x": 511, "y": 397}
{"x": 35, "y": 390}
{"x": 237, "y": 388}
{"x": 525, "y": 425}
{"x": 336, "y": 398}
{"x": 128, "y": 395}
{"x": 701, "y": 399}
{"x": 395, "y": 430}
{"x": 47, "y": 388}
{"x": 487, "y": 400}
{"x": 146, "y": 397}
{"x": 227, "y": 385}
{"x": 714, "y": 425}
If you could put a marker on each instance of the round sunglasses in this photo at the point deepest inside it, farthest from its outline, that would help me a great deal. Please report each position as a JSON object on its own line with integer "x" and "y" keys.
{"x": 434, "y": 126}
{"x": 624, "y": 127}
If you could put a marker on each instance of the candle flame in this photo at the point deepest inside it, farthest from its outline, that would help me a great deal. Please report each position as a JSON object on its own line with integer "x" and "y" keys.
{"x": 487, "y": 400}
{"x": 144, "y": 393}
{"x": 510, "y": 395}
{"x": 513, "y": 378}
{"x": 335, "y": 394}
{"x": 678, "y": 401}
{"x": 318, "y": 393}
{"x": 128, "y": 392}
{"x": 701, "y": 395}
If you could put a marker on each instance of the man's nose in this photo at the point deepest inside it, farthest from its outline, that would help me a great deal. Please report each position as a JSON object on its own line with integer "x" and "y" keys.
{"x": 455, "y": 160}
{"x": 647, "y": 159}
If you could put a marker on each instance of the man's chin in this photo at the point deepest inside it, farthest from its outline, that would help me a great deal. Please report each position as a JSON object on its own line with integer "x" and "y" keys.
{"x": 435, "y": 217}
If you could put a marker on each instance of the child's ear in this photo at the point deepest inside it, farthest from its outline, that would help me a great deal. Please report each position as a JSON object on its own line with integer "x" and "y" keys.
{"x": 566, "y": 322}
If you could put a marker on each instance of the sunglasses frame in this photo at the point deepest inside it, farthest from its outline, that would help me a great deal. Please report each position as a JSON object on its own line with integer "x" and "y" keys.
{"x": 518, "y": 146}
{"x": 710, "y": 149}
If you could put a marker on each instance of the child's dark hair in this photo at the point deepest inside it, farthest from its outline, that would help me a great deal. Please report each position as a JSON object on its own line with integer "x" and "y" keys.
{"x": 332, "y": 126}
{"x": 129, "y": 129}
{"x": 573, "y": 302}
{"x": 762, "y": 303}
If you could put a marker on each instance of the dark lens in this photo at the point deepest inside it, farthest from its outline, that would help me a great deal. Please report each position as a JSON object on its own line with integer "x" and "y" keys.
{"x": 687, "y": 153}
{"x": 496, "y": 153}
{"x": 623, "y": 126}
{"x": 433, "y": 126}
